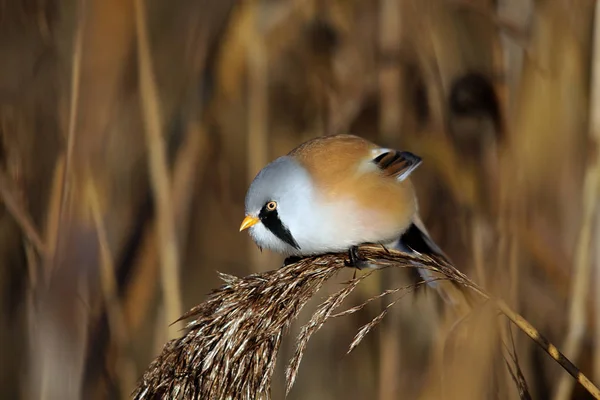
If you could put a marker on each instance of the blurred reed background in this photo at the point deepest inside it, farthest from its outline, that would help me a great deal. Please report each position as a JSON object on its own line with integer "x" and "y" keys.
{"x": 131, "y": 129}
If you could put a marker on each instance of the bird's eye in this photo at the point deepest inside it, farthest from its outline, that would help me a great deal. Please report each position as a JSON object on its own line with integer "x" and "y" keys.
{"x": 271, "y": 206}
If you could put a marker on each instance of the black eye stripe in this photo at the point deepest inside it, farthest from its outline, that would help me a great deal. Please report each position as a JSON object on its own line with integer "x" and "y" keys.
{"x": 271, "y": 221}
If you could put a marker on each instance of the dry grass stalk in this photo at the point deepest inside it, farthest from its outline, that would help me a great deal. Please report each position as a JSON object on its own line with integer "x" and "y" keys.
{"x": 108, "y": 283}
{"x": 581, "y": 282}
{"x": 390, "y": 74}
{"x": 596, "y": 308}
{"x": 232, "y": 342}
{"x": 580, "y": 285}
{"x": 21, "y": 216}
{"x": 169, "y": 252}
{"x": 513, "y": 366}
{"x": 65, "y": 181}
{"x": 322, "y": 314}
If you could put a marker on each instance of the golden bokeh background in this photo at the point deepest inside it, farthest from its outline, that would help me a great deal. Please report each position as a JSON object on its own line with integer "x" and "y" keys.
{"x": 130, "y": 131}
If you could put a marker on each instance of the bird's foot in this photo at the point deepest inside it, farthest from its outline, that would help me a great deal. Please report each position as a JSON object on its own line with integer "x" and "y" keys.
{"x": 291, "y": 260}
{"x": 356, "y": 261}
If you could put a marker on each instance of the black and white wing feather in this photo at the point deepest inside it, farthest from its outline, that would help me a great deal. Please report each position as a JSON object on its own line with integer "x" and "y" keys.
{"x": 399, "y": 164}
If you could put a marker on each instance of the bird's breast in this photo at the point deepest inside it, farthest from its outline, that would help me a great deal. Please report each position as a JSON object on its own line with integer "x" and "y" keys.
{"x": 347, "y": 220}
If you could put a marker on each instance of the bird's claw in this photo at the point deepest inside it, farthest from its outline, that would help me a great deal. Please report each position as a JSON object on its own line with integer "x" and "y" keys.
{"x": 291, "y": 260}
{"x": 356, "y": 261}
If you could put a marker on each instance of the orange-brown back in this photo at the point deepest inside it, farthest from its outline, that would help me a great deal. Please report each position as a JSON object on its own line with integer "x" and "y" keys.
{"x": 342, "y": 169}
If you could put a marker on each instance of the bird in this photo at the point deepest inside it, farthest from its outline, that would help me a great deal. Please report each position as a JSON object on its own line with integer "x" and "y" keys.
{"x": 334, "y": 193}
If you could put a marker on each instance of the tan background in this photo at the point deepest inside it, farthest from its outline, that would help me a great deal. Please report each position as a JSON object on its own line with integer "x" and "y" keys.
{"x": 496, "y": 98}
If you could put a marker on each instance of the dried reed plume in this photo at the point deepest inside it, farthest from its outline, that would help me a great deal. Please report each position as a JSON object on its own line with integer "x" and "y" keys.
{"x": 231, "y": 345}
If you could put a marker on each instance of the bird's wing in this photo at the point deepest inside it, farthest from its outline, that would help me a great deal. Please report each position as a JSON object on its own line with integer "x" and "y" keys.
{"x": 399, "y": 164}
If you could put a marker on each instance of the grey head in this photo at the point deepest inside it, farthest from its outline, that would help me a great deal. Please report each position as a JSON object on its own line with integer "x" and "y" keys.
{"x": 281, "y": 198}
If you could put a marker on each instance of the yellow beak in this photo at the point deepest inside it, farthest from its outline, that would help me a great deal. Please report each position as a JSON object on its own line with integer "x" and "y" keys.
{"x": 248, "y": 222}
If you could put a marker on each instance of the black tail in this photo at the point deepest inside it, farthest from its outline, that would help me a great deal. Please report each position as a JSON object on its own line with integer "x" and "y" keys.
{"x": 414, "y": 240}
